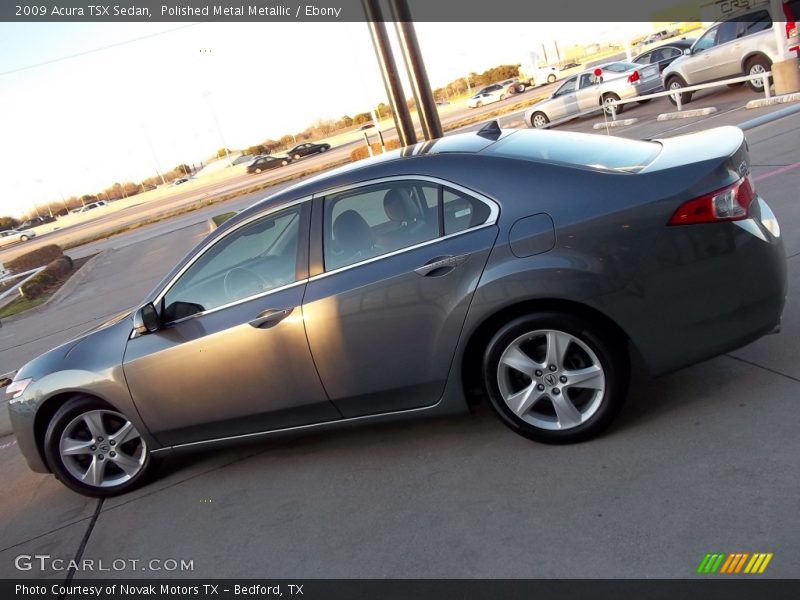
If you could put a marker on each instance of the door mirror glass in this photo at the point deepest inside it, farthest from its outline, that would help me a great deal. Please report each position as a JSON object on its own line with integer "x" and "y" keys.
{"x": 146, "y": 319}
{"x": 687, "y": 51}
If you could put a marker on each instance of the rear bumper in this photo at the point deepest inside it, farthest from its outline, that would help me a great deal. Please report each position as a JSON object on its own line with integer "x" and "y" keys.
{"x": 705, "y": 290}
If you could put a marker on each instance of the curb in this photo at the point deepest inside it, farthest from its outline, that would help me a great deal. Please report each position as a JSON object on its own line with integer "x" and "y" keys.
{"x": 620, "y": 123}
{"x": 687, "y": 114}
{"x": 74, "y": 281}
{"x": 760, "y": 103}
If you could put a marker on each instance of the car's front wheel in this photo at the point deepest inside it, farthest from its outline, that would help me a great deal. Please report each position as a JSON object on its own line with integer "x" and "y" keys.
{"x": 608, "y": 104}
{"x": 95, "y": 449}
{"x": 551, "y": 78}
{"x": 676, "y": 84}
{"x": 539, "y": 120}
{"x": 758, "y": 66}
{"x": 23, "y": 238}
{"x": 555, "y": 378}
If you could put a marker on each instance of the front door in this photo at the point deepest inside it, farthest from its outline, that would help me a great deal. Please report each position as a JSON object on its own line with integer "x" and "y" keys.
{"x": 401, "y": 262}
{"x": 232, "y": 357}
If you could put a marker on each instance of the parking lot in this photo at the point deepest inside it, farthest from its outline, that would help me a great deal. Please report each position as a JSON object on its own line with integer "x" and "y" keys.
{"x": 703, "y": 460}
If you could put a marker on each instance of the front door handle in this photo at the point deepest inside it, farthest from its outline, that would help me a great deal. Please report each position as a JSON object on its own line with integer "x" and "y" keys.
{"x": 441, "y": 265}
{"x": 270, "y": 318}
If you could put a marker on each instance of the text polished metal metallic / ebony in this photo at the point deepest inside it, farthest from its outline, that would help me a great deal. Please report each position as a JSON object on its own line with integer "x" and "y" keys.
{"x": 523, "y": 267}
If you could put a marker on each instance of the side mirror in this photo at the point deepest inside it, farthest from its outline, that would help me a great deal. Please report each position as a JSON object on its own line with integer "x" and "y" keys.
{"x": 687, "y": 51}
{"x": 146, "y": 319}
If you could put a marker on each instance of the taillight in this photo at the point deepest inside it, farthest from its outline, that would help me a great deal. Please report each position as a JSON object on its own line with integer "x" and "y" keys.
{"x": 728, "y": 204}
{"x": 791, "y": 24}
{"x": 633, "y": 77}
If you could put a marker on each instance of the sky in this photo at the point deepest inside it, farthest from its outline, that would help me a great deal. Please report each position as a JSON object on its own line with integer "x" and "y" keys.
{"x": 85, "y": 105}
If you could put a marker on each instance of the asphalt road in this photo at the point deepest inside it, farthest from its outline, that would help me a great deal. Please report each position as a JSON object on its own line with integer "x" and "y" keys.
{"x": 703, "y": 460}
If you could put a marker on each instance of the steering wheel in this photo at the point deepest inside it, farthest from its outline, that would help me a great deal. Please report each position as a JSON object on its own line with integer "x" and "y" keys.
{"x": 241, "y": 282}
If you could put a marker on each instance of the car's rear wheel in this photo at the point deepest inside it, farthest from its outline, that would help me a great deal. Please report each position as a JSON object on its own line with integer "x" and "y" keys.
{"x": 258, "y": 170}
{"x": 502, "y": 97}
{"x": 297, "y": 157}
{"x": 608, "y": 102}
{"x": 323, "y": 149}
{"x": 675, "y": 84}
{"x": 478, "y": 104}
{"x": 758, "y": 66}
{"x": 520, "y": 88}
{"x": 539, "y": 120}
{"x": 551, "y": 78}
{"x": 555, "y": 378}
{"x": 24, "y": 238}
{"x": 94, "y": 449}
{"x": 284, "y": 163}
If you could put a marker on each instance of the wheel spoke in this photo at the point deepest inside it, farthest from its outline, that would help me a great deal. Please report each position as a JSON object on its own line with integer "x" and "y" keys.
{"x": 523, "y": 400}
{"x": 94, "y": 421}
{"x": 124, "y": 434}
{"x": 95, "y": 472}
{"x": 590, "y": 377}
{"x": 566, "y": 413}
{"x": 71, "y": 447}
{"x": 127, "y": 463}
{"x": 557, "y": 344}
{"x": 516, "y": 359}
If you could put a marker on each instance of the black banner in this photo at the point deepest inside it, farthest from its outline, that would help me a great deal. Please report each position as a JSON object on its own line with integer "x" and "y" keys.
{"x": 393, "y": 589}
{"x": 286, "y": 11}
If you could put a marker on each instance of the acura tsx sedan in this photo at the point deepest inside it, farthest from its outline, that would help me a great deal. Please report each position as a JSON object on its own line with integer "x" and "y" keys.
{"x": 523, "y": 267}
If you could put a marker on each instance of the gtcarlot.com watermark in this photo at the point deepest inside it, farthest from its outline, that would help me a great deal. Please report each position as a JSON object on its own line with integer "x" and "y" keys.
{"x": 48, "y": 564}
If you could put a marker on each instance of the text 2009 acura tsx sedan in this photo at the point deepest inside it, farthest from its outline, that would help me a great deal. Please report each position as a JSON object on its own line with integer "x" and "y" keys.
{"x": 526, "y": 264}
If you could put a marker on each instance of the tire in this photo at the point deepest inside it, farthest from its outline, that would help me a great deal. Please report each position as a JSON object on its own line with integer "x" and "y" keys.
{"x": 323, "y": 149}
{"x": 502, "y": 97}
{"x": 296, "y": 157}
{"x": 284, "y": 163}
{"x": 755, "y": 66}
{"x": 478, "y": 104}
{"x": 129, "y": 466}
{"x": 551, "y": 78}
{"x": 258, "y": 170}
{"x": 676, "y": 83}
{"x": 606, "y": 101}
{"x": 520, "y": 88}
{"x": 556, "y": 412}
{"x": 23, "y": 238}
{"x": 539, "y": 120}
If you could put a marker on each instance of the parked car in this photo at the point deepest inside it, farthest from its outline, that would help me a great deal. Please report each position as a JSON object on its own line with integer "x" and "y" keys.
{"x": 12, "y": 236}
{"x": 264, "y": 163}
{"x": 307, "y": 149}
{"x": 487, "y": 95}
{"x": 743, "y": 44}
{"x": 180, "y": 181}
{"x": 91, "y": 206}
{"x": 366, "y": 126}
{"x": 664, "y": 55}
{"x": 513, "y": 86}
{"x": 36, "y": 221}
{"x": 413, "y": 284}
{"x": 588, "y": 90}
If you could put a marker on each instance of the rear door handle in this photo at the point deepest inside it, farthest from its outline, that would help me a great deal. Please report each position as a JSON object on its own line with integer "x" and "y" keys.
{"x": 441, "y": 265}
{"x": 270, "y": 317}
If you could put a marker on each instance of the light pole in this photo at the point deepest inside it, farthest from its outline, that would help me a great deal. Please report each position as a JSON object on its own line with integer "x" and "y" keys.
{"x": 153, "y": 152}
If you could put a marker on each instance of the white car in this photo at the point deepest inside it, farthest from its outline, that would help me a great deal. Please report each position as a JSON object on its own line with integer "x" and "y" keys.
{"x": 92, "y": 206}
{"x": 12, "y": 236}
{"x": 487, "y": 95}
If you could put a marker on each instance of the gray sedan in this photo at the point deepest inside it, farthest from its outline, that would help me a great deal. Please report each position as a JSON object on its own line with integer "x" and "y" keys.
{"x": 594, "y": 89}
{"x": 524, "y": 268}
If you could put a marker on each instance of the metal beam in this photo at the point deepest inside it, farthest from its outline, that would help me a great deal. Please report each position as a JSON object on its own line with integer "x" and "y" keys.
{"x": 421, "y": 87}
{"x": 391, "y": 81}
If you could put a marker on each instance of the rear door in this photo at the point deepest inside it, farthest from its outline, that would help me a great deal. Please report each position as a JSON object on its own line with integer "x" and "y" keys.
{"x": 397, "y": 262}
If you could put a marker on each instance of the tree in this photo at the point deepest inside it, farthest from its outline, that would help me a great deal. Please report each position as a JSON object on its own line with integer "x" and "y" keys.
{"x": 222, "y": 152}
{"x": 8, "y": 223}
{"x": 346, "y": 121}
{"x": 183, "y": 169}
{"x": 257, "y": 149}
{"x": 362, "y": 118}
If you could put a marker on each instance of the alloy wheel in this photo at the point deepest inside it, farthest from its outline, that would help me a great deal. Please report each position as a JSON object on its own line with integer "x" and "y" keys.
{"x": 101, "y": 448}
{"x": 551, "y": 379}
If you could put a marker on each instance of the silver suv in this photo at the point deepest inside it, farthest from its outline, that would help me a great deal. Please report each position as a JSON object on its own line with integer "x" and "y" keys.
{"x": 740, "y": 45}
